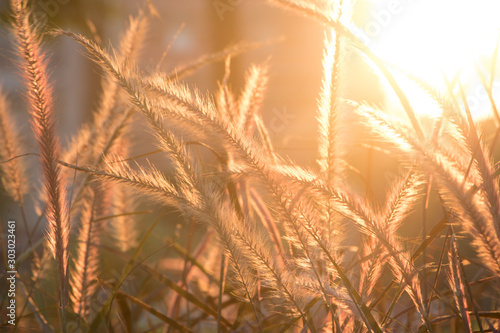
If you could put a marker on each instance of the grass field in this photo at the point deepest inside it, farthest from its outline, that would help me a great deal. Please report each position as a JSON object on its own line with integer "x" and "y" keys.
{"x": 393, "y": 227}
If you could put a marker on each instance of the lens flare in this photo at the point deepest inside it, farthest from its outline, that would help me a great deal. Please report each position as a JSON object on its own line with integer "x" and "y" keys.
{"x": 433, "y": 39}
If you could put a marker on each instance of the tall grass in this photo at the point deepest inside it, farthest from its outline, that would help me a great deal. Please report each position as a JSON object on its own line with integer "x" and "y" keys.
{"x": 260, "y": 243}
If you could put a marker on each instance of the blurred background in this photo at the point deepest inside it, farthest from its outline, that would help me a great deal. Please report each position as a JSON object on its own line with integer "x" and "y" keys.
{"x": 193, "y": 28}
{"x": 203, "y": 27}
{"x": 418, "y": 36}
{"x": 425, "y": 38}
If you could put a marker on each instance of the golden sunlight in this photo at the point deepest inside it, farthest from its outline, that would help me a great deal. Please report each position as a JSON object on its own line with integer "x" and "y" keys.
{"x": 431, "y": 39}
{"x": 241, "y": 166}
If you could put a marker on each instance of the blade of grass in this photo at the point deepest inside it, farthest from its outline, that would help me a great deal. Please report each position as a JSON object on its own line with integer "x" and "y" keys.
{"x": 438, "y": 270}
{"x": 222, "y": 278}
{"x": 194, "y": 261}
{"x": 160, "y": 277}
{"x": 148, "y": 308}
{"x": 106, "y": 308}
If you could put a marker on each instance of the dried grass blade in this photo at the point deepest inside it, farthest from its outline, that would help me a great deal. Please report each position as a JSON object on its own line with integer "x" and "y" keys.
{"x": 106, "y": 307}
{"x": 150, "y": 309}
{"x": 160, "y": 277}
{"x": 456, "y": 282}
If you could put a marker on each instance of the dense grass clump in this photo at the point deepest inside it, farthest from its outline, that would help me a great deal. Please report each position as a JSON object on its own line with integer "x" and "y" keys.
{"x": 273, "y": 254}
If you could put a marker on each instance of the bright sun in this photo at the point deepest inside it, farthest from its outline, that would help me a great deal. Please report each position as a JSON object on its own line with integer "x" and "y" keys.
{"x": 430, "y": 38}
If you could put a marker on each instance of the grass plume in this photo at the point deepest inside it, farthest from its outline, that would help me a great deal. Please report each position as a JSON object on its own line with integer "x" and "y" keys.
{"x": 187, "y": 218}
{"x": 33, "y": 64}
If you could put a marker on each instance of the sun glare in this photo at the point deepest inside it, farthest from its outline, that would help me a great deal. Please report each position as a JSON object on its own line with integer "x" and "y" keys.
{"x": 430, "y": 38}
